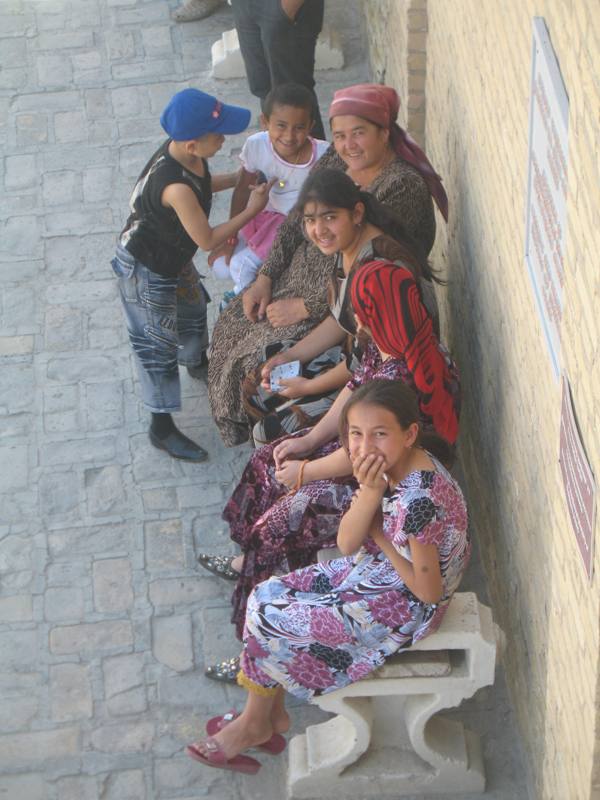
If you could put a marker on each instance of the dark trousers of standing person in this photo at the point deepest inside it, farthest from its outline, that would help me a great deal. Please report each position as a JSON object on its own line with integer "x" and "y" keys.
{"x": 277, "y": 49}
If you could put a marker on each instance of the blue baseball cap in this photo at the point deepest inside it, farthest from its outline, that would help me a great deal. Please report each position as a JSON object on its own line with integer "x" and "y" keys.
{"x": 191, "y": 113}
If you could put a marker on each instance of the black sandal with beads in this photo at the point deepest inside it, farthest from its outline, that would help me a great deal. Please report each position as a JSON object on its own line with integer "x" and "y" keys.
{"x": 219, "y": 565}
{"x": 224, "y": 671}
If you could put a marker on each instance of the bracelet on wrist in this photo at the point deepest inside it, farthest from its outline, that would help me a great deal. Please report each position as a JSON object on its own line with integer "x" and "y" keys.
{"x": 300, "y": 478}
{"x": 233, "y": 240}
{"x": 301, "y": 473}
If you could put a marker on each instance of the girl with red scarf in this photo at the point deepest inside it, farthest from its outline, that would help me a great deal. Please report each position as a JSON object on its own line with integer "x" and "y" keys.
{"x": 387, "y": 305}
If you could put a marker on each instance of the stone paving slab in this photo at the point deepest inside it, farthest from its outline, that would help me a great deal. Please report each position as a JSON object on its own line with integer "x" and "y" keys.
{"x": 105, "y": 622}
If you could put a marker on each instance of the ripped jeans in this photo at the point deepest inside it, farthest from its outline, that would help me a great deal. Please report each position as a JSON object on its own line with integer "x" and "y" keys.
{"x": 166, "y": 321}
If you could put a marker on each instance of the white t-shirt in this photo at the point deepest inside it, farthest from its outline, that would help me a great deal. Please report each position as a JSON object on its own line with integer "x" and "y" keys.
{"x": 258, "y": 154}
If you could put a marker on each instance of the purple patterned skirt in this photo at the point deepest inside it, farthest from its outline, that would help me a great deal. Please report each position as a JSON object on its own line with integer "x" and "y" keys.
{"x": 278, "y": 530}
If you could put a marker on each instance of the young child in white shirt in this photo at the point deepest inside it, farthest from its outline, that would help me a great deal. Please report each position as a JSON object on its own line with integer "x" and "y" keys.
{"x": 284, "y": 151}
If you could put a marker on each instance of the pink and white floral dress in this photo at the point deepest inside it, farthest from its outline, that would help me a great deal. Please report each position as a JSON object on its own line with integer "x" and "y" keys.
{"x": 324, "y": 626}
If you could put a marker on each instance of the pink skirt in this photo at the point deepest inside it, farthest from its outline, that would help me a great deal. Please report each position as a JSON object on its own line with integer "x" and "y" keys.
{"x": 260, "y": 232}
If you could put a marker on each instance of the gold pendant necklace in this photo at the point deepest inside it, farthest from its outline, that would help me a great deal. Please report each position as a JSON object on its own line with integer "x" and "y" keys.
{"x": 282, "y": 182}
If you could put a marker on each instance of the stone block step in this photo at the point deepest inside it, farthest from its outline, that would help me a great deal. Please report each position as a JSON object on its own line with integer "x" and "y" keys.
{"x": 227, "y": 61}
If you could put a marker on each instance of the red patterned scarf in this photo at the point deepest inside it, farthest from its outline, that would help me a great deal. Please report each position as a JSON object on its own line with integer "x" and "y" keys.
{"x": 386, "y": 299}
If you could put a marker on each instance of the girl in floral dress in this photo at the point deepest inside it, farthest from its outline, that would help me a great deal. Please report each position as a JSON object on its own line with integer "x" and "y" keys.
{"x": 327, "y": 625}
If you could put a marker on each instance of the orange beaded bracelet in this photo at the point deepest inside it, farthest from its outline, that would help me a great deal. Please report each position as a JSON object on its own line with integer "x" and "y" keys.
{"x": 300, "y": 477}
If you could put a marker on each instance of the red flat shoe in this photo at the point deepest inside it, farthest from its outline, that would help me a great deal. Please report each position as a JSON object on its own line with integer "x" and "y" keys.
{"x": 215, "y": 757}
{"x": 273, "y": 746}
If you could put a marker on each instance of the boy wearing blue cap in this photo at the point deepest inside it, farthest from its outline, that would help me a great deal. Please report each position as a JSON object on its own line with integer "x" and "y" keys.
{"x": 162, "y": 296}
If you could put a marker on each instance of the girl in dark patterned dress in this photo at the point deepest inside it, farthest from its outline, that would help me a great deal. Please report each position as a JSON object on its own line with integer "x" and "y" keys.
{"x": 328, "y": 625}
{"x": 302, "y": 401}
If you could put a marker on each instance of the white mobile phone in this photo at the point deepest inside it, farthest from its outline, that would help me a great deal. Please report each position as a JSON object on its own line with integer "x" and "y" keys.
{"x": 289, "y": 370}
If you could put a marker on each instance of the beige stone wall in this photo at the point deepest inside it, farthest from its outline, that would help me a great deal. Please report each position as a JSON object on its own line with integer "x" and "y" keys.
{"x": 477, "y": 100}
{"x": 397, "y": 31}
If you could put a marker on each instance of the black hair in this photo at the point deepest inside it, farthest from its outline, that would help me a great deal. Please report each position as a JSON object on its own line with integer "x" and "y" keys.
{"x": 289, "y": 94}
{"x": 334, "y": 188}
{"x": 402, "y": 402}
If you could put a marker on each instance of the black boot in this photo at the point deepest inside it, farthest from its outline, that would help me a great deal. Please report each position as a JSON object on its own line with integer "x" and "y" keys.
{"x": 166, "y": 436}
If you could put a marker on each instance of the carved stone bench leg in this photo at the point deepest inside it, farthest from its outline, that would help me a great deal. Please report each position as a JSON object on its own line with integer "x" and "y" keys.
{"x": 357, "y": 757}
{"x": 336, "y": 744}
{"x": 453, "y": 751}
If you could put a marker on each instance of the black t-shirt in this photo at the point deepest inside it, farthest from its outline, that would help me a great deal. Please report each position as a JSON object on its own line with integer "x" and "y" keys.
{"x": 153, "y": 233}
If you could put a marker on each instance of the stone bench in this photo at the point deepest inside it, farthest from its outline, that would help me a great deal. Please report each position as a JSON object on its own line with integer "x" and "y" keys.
{"x": 387, "y": 740}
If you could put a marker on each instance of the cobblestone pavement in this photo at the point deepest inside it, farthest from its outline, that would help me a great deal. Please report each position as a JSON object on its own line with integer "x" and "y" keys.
{"x": 105, "y": 622}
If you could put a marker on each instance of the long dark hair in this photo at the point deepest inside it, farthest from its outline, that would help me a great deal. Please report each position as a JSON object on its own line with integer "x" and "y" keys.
{"x": 334, "y": 188}
{"x": 402, "y": 402}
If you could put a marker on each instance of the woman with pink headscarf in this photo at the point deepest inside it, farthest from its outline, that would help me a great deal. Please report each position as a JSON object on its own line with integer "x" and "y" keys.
{"x": 289, "y": 297}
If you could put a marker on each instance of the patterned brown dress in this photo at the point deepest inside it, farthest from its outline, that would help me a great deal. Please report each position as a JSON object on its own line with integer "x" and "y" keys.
{"x": 298, "y": 269}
